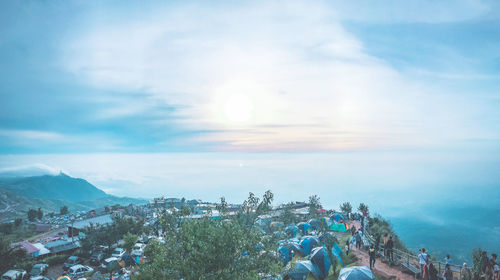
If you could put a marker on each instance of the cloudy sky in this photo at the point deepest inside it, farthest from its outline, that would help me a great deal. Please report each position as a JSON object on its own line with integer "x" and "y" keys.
{"x": 220, "y": 98}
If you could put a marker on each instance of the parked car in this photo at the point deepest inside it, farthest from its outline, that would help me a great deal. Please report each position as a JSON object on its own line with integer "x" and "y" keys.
{"x": 78, "y": 271}
{"x": 107, "y": 262}
{"x": 14, "y": 274}
{"x": 96, "y": 258}
{"x": 138, "y": 249}
{"x": 71, "y": 261}
{"x": 118, "y": 253}
{"x": 39, "y": 269}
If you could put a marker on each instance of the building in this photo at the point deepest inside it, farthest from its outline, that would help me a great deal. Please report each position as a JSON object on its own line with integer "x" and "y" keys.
{"x": 61, "y": 246}
{"x": 75, "y": 228}
{"x": 30, "y": 249}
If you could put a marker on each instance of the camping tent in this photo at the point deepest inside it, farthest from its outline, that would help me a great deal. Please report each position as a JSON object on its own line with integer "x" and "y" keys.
{"x": 356, "y": 273}
{"x": 308, "y": 243}
{"x": 304, "y": 228}
{"x": 319, "y": 257}
{"x": 292, "y": 230}
{"x": 287, "y": 251}
{"x": 314, "y": 224}
{"x": 339, "y": 227}
{"x": 303, "y": 270}
{"x": 338, "y": 218}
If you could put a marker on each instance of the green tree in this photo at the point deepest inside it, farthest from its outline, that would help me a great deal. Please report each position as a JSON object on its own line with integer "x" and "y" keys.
{"x": 363, "y": 207}
{"x": 314, "y": 205}
{"x": 129, "y": 241}
{"x": 18, "y": 222}
{"x": 346, "y": 208}
{"x": 39, "y": 213}
{"x": 63, "y": 210}
{"x": 287, "y": 216}
{"x": 32, "y": 215}
{"x": 9, "y": 256}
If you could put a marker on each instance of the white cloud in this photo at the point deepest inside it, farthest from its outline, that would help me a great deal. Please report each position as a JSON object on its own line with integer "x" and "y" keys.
{"x": 311, "y": 84}
{"x": 37, "y": 169}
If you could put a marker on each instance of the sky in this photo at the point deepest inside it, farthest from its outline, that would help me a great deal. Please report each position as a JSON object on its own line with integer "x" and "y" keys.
{"x": 218, "y": 98}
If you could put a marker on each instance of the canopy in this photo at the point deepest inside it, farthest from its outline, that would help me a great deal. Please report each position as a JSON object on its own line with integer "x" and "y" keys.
{"x": 292, "y": 230}
{"x": 303, "y": 270}
{"x": 308, "y": 243}
{"x": 356, "y": 273}
{"x": 304, "y": 228}
{"x": 319, "y": 257}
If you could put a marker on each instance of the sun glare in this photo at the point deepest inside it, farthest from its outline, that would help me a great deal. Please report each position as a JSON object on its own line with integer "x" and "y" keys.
{"x": 238, "y": 108}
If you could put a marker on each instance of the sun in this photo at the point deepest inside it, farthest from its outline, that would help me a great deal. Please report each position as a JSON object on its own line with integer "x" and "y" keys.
{"x": 238, "y": 108}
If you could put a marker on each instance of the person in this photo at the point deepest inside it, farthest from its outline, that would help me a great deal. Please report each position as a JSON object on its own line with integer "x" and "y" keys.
{"x": 447, "y": 259}
{"x": 433, "y": 272}
{"x": 353, "y": 230}
{"x": 422, "y": 260}
{"x": 347, "y": 248}
{"x": 371, "y": 253}
{"x": 491, "y": 266}
{"x": 448, "y": 274}
{"x": 465, "y": 273}
{"x": 390, "y": 245}
{"x": 358, "y": 240}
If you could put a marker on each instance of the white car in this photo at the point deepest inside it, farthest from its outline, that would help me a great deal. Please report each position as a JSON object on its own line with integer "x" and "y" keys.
{"x": 118, "y": 253}
{"x": 15, "y": 274}
{"x": 138, "y": 249}
{"x": 79, "y": 270}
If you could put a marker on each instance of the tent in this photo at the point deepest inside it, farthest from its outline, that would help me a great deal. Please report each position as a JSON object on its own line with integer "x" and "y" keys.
{"x": 304, "y": 228}
{"x": 303, "y": 270}
{"x": 292, "y": 230}
{"x": 339, "y": 227}
{"x": 319, "y": 257}
{"x": 337, "y": 249}
{"x": 308, "y": 243}
{"x": 314, "y": 224}
{"x": 336, "y": 254}
{"x": 287, "y": 251}
{"x": 338, "y": 218}
{"x": 356, "y": 273}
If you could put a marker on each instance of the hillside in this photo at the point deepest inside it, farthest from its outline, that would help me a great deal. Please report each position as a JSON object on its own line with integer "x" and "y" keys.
{"x": 18, "y": 195}
{"x": 61, "y": 187}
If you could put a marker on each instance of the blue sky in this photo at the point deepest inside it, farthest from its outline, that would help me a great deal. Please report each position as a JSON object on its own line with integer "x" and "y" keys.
{"x": 226, "y": 80}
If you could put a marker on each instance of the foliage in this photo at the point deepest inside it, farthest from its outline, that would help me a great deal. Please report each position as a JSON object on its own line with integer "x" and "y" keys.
{"x": 54, "y": 260}
{"x": 225, "y": 248}
{"x": 287, "y": 216}
{"x": 32, "y": 215}
{"x": 9, "y": 256}
{"x": 39, "y": 213}
{"x": 314, "y": 206}
{"x": 129, "y": 241}
{"x": 64, "y": 210}
{"x": 346, "y": 208}
{"x": 363, "y": 207}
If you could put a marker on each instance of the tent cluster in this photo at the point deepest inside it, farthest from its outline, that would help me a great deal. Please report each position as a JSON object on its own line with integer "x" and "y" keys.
{"x": 337, "y": 222}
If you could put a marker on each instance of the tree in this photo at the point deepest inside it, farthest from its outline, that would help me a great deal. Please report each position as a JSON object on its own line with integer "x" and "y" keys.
{"x": 64, "y": 210}
{"x": 287, "y": 216}
{"x": 314, "y": 205}
{"x": 346, "y": 208}
{"x": 39, "y": 213}
{"x": 222, "y": 207}
{"x": 129, "y": 241}
{"x": 9, "y": 256}
{"x": 363, "y": 208}
{"x": 18, "y": 222}
{"x": 32, "y": 215}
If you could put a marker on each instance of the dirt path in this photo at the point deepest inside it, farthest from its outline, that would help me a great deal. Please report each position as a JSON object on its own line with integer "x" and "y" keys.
{"x": 380, "y": 267}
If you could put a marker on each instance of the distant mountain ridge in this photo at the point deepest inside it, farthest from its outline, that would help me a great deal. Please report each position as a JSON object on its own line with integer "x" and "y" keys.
{"x": 50, "y": 192}
{"x": 61, "y": 187}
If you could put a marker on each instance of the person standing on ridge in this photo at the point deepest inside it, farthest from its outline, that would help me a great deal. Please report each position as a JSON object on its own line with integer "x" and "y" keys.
{"x": 448, "y": 274}
{"x": 371, "y": 253}
{"x": 447, "y": 260}
{"x": 465, "y": 273}
{"x": 390, "y": 245}
{"x": 422, "y": 260}
{"x": 433, "y": 272}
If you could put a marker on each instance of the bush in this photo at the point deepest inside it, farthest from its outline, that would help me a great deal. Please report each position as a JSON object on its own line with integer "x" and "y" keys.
{"x": 53, "y": 260}
{"x": 26, "y": 265}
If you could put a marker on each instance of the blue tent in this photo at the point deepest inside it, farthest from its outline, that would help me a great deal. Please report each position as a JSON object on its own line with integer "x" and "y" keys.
{"x": 314, "y": 224}
{"x": 286, "y": 251}
{"x": 356, "y": 273}
{"x": 319, "y": 257}
{"x": 337, "y": 249}
{"x": 337, "y": 217}
{"x": 302, "y": 269}
{"x": 337, "y": 255}
{"x": 308, "y": 243}
{"x": 128, "y": 260}
{"x": 304, "y": 227}
{"x": 292, "y": 230}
